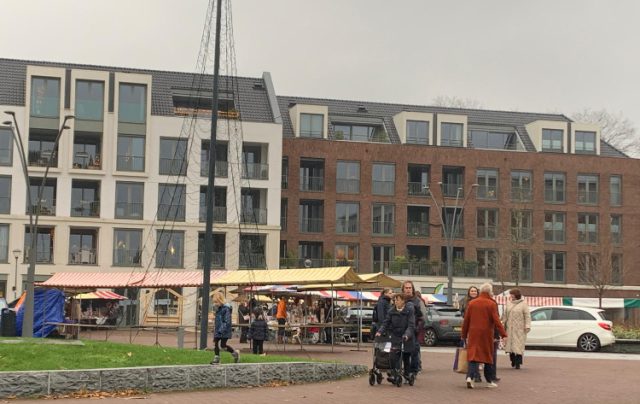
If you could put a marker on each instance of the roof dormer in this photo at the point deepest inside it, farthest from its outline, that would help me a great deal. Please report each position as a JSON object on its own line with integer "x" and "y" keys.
{"x": 414, "y": 127}
{"x": 309, "y": 121}
{"x": 585, "y": 138}
{"x": 549, "y": 136}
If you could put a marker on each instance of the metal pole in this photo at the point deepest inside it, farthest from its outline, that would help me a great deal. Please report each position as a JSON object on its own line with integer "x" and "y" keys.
{"x": 450, "y": 251}
{"x": 16, "y": 255}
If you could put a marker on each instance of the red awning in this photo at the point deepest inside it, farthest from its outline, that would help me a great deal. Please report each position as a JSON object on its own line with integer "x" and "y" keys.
{"x": 100, "y": 294}
{"x": 109, "y": 280}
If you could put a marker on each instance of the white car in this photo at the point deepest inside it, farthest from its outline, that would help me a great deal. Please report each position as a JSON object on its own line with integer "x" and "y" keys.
{"x": 568, "y": 326}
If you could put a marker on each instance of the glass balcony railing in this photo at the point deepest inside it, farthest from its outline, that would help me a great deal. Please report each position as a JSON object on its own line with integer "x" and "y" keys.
{"x": 310, "y": 225}
{"x": 217, "y": 259}
{"x": 255, "y": 216}
{"x": 383, "y": 187}
{"x": 417, "y": 229}
{"x": 314, "y": 184}
{"x": 383, "y": 227}
{"x": 219, "y": 214}
{"x": 221, "y": 169}
{"x": 248, "y": 260}
{"x": 417, "y": 189}
{"x": 346, "y": 186}
{"x": 85, "y": 208}
{"x": 453, "y": 190}
{"x": 129, "y": 210}
{"x": 521, "y": 194}
{"x": 47, "y": 208}
{"x": 43, "y": 158}
{"x": 126, "y": 257}
{"x": 83, "y": 256}
{"x": 346, "y": 226}
{"x": 173, "y": 166}
{"x": 255, "y": 171}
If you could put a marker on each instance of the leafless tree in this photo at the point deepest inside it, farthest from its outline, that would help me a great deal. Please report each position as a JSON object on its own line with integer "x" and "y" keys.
{"x": 601, "y": 269}
{"x": 456, "y": 102}
{"x": 616, "y": 129}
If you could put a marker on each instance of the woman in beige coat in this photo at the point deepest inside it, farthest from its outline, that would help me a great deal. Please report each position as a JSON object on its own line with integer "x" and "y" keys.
{"x": 517, "y": 321}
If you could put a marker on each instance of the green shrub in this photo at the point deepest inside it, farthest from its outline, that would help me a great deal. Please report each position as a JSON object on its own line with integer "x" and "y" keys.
{"x": 625, "y": 332}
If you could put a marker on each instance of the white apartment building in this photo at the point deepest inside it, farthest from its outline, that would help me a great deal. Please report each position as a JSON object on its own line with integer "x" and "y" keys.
{"x": 125, "y": 190}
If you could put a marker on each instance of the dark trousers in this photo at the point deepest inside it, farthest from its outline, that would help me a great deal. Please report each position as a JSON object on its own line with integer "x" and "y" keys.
{"x": 258, "y": 345}
{"x": 474, "y": 373}
{"x": 221, "y": 342}
{"x": 416, "y": 359}
{"x": 244, "y": 330}
{"x": 281, "y": 323}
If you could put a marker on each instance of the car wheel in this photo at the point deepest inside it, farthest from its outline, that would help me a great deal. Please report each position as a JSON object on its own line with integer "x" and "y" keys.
{"x": 588, "y": 343}
{"x": 430, "y": 337}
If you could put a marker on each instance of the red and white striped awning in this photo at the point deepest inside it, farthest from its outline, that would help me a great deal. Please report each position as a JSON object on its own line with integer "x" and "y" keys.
{"x": 533, "y": 301}
{"x": 100, "y": 294}
{"x": 109, "y": 280}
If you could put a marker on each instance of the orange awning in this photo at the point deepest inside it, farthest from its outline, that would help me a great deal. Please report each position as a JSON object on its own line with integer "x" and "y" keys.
{"x": 109, "y": 280}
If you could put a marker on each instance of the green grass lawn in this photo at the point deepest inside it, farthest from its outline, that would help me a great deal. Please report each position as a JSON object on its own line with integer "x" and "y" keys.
{"x": 36, "y": 355}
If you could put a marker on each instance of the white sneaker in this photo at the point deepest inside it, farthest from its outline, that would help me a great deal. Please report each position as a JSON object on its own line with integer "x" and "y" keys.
{"x": 470, "y": 384}
{"x": 491, "y": 385}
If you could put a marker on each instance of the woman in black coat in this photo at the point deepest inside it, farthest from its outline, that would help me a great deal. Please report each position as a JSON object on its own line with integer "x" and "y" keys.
{"x": 400, "y": 325}
{"x": 258, "y": 332}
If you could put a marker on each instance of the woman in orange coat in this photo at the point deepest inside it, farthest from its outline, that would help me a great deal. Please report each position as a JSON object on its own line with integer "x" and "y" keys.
{"x": 480, "y": 321}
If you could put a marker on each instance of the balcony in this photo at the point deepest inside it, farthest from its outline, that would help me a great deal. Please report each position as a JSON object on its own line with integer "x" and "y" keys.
{"x": 171, "y": 212}
{"x": 553, "y": 196}
{"x": 219, "y": 214}
{"x": 221, "y": 170}
{"x": 253, "y": 216}
{"x": 313, "y": 184}
{"x": 348, "y": 186}
{"x": 521, "y": 194}
{"x": 84, "y": 256}
{"x": 47, "y": 208}
{"x": 217, "y": 259}
{"x": 85, "y": 208}
{"x": 42, "y": 257}
{"x": 87, "y": 161}
{"x": 129, "y": 210}
{"x": 383, "y": 187}
{"x": 346, "y": 226}
{"x": 255, "y": 171}
{"x": 126, "y": 257}
{"x": 587, "y": 197}
{"x": 487, "y": 192}
{"x": 417, "y": 229}
{"x": 130, "y": 163}
{"x": 252, "y": 260}
{"x": 315, "y": 263}
{"x": 420, "y": 268}
{"x": 417, "y": 189}
{"x": 452, "y": 190}
{"x": 173, "y": 166}
{"x": 311, "y": 225}
{"x": 43, "y": 158}
{"x": 383, "y": 227}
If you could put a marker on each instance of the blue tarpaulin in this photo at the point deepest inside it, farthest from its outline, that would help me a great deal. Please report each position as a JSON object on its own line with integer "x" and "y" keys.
{"x": 48, "y": 307}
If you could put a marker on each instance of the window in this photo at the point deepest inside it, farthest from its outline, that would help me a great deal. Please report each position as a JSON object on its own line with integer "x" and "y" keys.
{"x": 554, "y": 266}
{"x": 616, "y": 269}
{"x": 360, "y": 133}
{"x": 252, "y": 247}
{"x": 451, "y": 134}
{"x": 418, "y": 132}
{"x": 588, "y": 189}
{"x": 173, "y": 156}
{"x": 284, "y": 183}
{"x": 85, "y": 198}
{"x": 383, "y": 219}
{"x": 347, "y": 217}
{"x": 384, "y": 179}
{"x": 311, "y": 251}
{"x": 44, "y": 244}
{"x": 615, "y": 190}
{"x": 541, "y": 315}
{"x": 454, "y": 224}
{"x": 130, "y": 153}
{"x": 170, "y": 249}
{"x": 45, "y": 97}
{"x": 348, "y": 177}
{"x": 219, "y": 204}
{"x": 346, "y": 255}
{"x": 494, "y": 140}
{"x": 488, "y": 181}
{"x": 418, "y": 176}
{"x": 588, "y": 268}
{"x": 89, "y": 100}
{"x": 132, "y": 104}
{"x": 453, "y": 182}
{"x": 171, "y": 202}
{"x": 82, "y": 246}
{"x": 616, "y": 229}
{"x": 252, "y": 201}
{"x": 311, "y": 214}
{"x": 221, "y": 168}
{"x": 4, "y": 243}
{"x": 382, "y": 257}
{"x": 487, "y": 262}
{"x": 5, "y": 195}
{"x": 554, "y": 184}
{"x": 569, "y": 314}
{"x": 552, "y": 140}
{"x": 47, "y": 202}
{"x": 311, "y": 125}
{"x": 417, "y": 221}
{"x": 6, "y": 146}
{"x": 284, "y": 206}
{"x": 587, "y": 228}
{"x": 521, "y": 186}
{"x": 129, "y": 200}
{"x": 554, "y": 227}
{"x": 127, "y": 247}
{"x": 86, "y": 150}
{"x": 487, "y": 223}
{"x": 311, "y": 175}
{"x": 252, "y": 165}
{"x": 585, "y": 142}
{"x": 521, "y": 265}
{"x": 521, "y": 226}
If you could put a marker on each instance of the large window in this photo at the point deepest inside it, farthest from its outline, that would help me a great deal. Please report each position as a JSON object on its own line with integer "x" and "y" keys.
{"x": 311, "y": 125}
{"x": 219, "y": 204}
{"x": 5, "y": 194}
{"x": 311, "y": 174}
{"x": 6, "y": 146}
{"x": 44, "y": 244}
{"x": 487, "y": 222}
{"x": 47, "y": 203}
{"x": 348, "y": 177}
{"x": 347, "y": 217}
{"x": 494, "y": 140}
{"x": 127, "y": 247}
{"x": 171, "y": 202}
{"x": 310, "y": 253}
{"x": 382, "y": 257}
{"x": 417, "y": 221}
{"x": 45, "y": 97}
{"x": 552, "y": 140}
{"x": 521, "y": 186}
{"x": 588, "y": 228}
{"x": 521, "y": 226}
{"x": 554, "y": 184}
{"x": 360, "y": 133}
{"x": 311, "y": 214}
{"x": 451, "y": 134}
{"x": 173, "y": 156}
{"x": 85, "y": 198}
{"x": 170, "y": 251}
{"x": 4, "y": 243}
{"x": 588, "y": 267}
{"x": 82, "y": 246}
{"x": 384, "y": 179}
{"x": 89, "y": 100}
{"x": 346, "y": 255}
{"x": 588, "y": 189}
{"x": 252, "y": 251}
{"x": 521, "y": 265}
{"x": 132, "y": 104}
{"x": 418, "y": 132}
{"x": 383, "y": 219}
{"x": 585, "y": 142}
{"x": 616, "y": 229}
{"x": 453, "y": 181}
{"x": 130, "y": 153}
{"x": 554, "y": 227}
{"x": 554, "y": 266}
{"x": 129, "y": 200}
{"x": 615, "y": 190}
{"x": 487, "y": 262}
{"x": 487, "y": 179}
{"x": 454, "y": 222}
{"x": 217, "y": 250}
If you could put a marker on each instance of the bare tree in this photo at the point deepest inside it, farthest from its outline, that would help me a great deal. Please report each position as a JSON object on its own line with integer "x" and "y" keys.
{"x": 601, "y": 269}
{"x": 616, "y": 129}
{"x": 456, "y": 102}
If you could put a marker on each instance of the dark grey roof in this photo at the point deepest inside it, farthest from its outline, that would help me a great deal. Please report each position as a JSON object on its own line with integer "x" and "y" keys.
{"x": 251, "y": 100}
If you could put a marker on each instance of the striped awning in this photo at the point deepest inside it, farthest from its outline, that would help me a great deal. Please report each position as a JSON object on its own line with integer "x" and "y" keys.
{"x": 100, "y": 294}
{"x": 299, "y": 276}
{"x": 533, "y": 301}
{"x": 110, "y": 280}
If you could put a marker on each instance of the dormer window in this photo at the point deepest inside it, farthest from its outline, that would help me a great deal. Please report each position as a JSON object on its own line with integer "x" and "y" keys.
{"x": 482, "y": 139}
{"x": 199, "y": 105}
{"x": 311, "y": 125}
{"x": 360, "y": 133}
{"x": 552, "y": 140}
{"x": 418, "y": 132}
{"x": 585, "y": 142}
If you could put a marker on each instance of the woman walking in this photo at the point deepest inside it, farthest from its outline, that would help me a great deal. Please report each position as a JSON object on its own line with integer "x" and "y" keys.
{"x": 400, "y": 324}
{"x": 222, "y": 328}
{"x": 517, "y": 320}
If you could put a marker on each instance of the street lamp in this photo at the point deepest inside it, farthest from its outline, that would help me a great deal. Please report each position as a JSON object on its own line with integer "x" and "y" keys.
{"x": 16, "y": 255}
{"x": 450, "y": 229}
{"x": 27, "y": 322}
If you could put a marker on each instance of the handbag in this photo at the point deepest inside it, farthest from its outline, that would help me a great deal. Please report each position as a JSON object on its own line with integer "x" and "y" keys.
{"x": 460, "y": 362}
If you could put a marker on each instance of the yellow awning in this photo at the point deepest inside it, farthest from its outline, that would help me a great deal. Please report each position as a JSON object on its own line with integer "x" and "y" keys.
{"x": 381, "y": 280}
{"x": 302, "y": 276}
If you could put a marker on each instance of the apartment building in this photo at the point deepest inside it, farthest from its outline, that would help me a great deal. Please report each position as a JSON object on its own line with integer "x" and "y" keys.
{"x": 538, "y": 199}
{"x": 126, "y": 184}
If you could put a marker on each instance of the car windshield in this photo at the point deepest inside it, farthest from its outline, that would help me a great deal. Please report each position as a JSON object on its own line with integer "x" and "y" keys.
{"x": 448, "y": 312}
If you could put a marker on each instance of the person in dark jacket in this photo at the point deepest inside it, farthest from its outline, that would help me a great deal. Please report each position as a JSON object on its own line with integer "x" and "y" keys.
{"x": 381, "y": 310}
{"x": 222, "y": 328}
{"x": 243, "y": 320}
{"x": 400, "y": 323}
{"x": 258, "y": 332}
{"x": 409, "y": 291}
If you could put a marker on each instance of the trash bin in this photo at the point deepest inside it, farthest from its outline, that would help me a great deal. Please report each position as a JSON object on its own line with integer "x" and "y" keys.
{"x": 8, "y": 323}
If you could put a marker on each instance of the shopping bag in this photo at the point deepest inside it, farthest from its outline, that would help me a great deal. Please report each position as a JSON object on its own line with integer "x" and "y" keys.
{"x": 460, "y": 363}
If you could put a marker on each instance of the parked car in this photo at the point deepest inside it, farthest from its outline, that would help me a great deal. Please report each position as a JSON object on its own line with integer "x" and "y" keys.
{"x": 443, "y": 323}
{"x": 350, "y": 315}
{"x": 562, "y": 326}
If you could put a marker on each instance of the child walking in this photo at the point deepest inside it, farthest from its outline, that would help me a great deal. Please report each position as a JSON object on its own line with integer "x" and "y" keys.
{"x": 258, "y": 332}
{"x": 222, "y": 329}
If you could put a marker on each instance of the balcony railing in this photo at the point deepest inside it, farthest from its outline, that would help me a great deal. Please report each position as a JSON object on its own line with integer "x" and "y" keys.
{"x": 553, "y": 196}
{"x": 284, "y": 182}
{"x": 84, "y": 256}
{"x": 219, "y": 214}
{"x": 520, "y": 194}
{"x": 221, "y": 170}
{"x": 554, "y": 236}
{"x": 590, "y": 237}
{"x": 129, "y": 210}
{"x": 383, "y": 227}
{"x": 255, "y": 171}
{"x": 414, "y": 268}
{"x": 616, "y": 199}
{"x": 316, "y": 263}
{"x": 171, "y": 212}
{"x": 588, "y": 197}
{"x": 255, "y": 216}
{"x": 85, "y": 208}
{"x": 346, "y": 186}
{"x": 383, "y": 187}
{"x": 47, "y": 208}
{"x": 418, "y": 189}
{"x": 173, "y": 167}
{"x": 311, "y": 225}
{"x": 42, "y": 257}
{"x": 252, "y": 260}
{"x": 125, "y": 257}
{"x": 451, "y": 190}
{"x": 487, "y": 192}
{"x": 346, "y": 226}
{"x": 616, "y": 237}
{"x": 312, "y": 184}
{"x": 487, "y": 232}
{"x": 130, "y": 163}
{"x": 217, "y": 259}
{"x": 43, "y": 158}
{"x": 417, "y": 229}
{"x": 521, "y": 234}
{"x": 86, "y": 161}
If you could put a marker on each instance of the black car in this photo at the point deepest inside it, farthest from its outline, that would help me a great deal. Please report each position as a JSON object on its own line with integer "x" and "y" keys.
{"x": 351, "y": 316}
{"x": 443, "y": 323}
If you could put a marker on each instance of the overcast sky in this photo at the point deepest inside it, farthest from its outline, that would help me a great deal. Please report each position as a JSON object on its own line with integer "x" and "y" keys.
{"x": 536, "y": 56}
